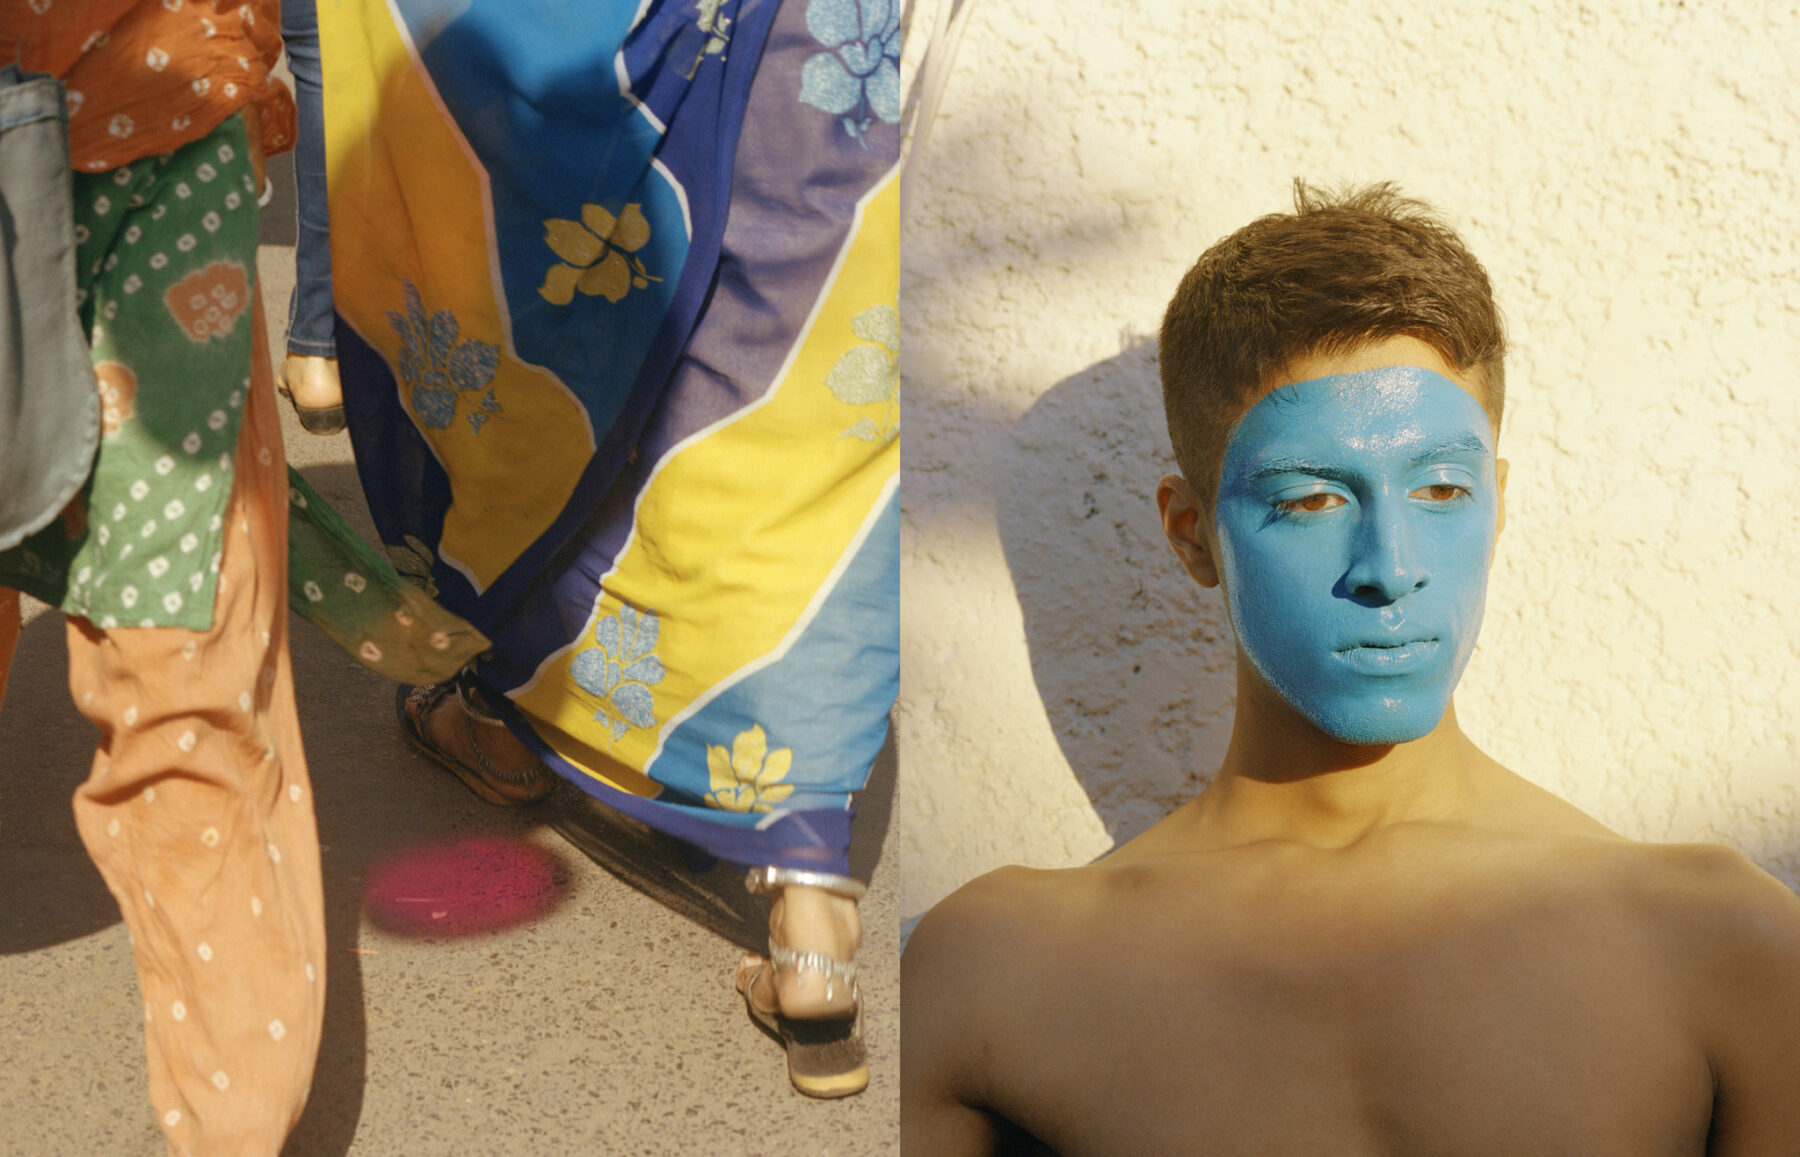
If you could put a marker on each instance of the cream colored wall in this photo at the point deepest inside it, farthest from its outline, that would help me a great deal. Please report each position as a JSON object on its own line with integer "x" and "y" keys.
{"x": 1626, "y": 171}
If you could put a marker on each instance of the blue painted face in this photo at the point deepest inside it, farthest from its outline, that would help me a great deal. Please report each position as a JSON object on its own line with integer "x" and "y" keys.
{"x": 1356, "y": 518}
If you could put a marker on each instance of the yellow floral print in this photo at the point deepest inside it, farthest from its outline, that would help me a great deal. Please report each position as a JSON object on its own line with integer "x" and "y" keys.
{"x": 598, "y": 254}
{"x": 743, "y": 780}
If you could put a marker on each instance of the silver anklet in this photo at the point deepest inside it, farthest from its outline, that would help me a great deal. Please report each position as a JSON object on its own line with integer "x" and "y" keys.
{"x": 767, "y": 879}
{"x": 834, "y": 971}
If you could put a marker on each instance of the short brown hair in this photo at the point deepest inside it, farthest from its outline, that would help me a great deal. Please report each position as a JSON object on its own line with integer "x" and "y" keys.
{"x": 1340, "y": 271}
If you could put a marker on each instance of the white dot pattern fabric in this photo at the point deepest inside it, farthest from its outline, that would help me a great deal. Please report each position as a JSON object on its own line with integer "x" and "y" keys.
{"x": 174, "y": 277}
{"x": 180, "y": 812}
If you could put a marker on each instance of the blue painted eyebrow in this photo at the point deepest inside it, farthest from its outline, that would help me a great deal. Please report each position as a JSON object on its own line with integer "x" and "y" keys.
{"x": 1276, "y": 467}
{"x": 1461, "y": 444}
{"x": 1450, "y": 448}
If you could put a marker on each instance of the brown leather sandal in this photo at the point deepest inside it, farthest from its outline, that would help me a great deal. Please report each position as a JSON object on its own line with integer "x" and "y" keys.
{"x": 494, "y": 784}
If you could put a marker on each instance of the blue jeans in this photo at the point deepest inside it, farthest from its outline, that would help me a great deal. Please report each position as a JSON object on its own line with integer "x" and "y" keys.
{"x": 312, "y": 320}
{"x": 49, "y": 408}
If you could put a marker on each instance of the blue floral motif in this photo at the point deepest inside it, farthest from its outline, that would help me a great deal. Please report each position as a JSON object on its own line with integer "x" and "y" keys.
{"x": 860, "y": 75}
{"x": 439, "y": 370}
{"x": 621, "y": 670}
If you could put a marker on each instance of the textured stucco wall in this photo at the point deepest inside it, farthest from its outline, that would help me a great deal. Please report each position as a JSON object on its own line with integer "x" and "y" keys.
{"x": 1626, "y": 171}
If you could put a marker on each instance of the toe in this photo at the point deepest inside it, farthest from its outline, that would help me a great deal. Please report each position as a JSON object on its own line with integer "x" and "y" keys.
{"x": 747, "y": 966}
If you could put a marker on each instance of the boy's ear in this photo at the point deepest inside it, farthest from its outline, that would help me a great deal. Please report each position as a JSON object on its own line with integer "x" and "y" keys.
{"x": 1500, "y": 468}
{"x": 1181, "y": 519}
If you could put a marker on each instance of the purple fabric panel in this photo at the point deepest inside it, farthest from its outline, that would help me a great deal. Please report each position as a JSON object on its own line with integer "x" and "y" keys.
{"x": 797, "y": 178}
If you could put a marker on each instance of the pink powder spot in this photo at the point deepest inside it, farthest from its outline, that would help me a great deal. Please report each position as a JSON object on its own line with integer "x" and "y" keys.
{"x": 463, "y": 889}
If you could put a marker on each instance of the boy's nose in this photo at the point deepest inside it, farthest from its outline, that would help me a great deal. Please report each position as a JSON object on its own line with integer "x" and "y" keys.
{"x": 1386, "y": 563}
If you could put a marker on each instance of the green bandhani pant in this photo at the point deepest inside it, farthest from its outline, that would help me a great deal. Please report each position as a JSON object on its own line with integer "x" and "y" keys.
{"x": 166, "y": 273}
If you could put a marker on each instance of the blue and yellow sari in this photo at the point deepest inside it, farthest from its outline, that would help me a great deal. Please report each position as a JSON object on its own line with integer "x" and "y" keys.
{"x": 617, "y": 292}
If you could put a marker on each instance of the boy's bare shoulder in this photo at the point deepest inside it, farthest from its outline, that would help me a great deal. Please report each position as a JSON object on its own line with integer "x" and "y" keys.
{"x": 1732, "y": 932}
{"x": 976, "y": 968}
{"x": 1707, "y": 902}
{"x": 985, "y": 949}
{"x": 1725, "y": 911}
{"x": 1017, "y": 907}
{"x": 1707, "y": 898}
{"x": 1727, "y": 933}
{"x": 1710, "y": 883}
{"x": 996, "y": 919}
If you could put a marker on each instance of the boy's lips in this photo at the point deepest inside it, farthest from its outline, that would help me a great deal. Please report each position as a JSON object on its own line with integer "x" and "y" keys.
{"x": 1389, "y": 656}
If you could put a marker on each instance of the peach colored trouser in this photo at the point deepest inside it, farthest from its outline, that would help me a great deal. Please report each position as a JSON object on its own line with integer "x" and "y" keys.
{"x": 199, "y": 814}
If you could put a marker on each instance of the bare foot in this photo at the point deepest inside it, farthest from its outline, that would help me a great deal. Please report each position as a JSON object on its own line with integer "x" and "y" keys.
{"x": 806, "y": 920}
{"x": 313, "y": 381}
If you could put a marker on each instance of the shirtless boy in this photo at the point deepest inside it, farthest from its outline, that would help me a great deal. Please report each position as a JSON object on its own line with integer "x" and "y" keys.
{"x": 1365, "y": 936}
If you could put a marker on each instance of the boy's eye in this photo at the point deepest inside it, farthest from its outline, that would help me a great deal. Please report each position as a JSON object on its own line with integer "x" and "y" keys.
{"x": 1441, "y": 492}
{"x": 1312, "y": 503}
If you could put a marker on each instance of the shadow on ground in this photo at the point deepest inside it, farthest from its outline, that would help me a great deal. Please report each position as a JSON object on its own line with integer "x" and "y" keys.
{"x": 53, "y": 893}
{"x": 378, "y": 798}
{"x": 677, "y": 877}
{"x": 378, "y": 803}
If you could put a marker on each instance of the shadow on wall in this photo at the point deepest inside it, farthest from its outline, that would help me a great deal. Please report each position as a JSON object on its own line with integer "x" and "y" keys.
{"x": 1757, "y": 811}
{"x": 1781, "y": 859}
{"x": 1134, "y": 663}
{"x": 1784, "y": 862}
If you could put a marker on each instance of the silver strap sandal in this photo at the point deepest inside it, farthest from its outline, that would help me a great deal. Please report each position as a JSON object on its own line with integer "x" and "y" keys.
{"x": 825, "y": 1055}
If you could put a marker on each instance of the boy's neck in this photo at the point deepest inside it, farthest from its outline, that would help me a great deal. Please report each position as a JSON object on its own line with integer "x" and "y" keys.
{"x": 1284, "y": 779}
